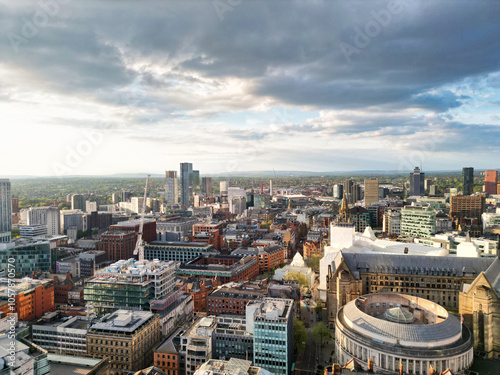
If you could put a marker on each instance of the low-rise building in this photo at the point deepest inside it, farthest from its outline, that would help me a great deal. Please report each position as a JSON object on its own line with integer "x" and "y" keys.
{"x": 269, "y": 257}
{"x": 167, "y": 356}
{"x": 177, "y": 251}
{"x": 226, "y": 268}
{"x": 196, "y": 343}
{"x": 33, "y": 298}
{"x": 62, "y": 335}
{"x": 127, "y": 338}
{"x": 231, "y": 339}
{"x": 130, "y": 284}
{"x": 233, "y": 298}
{"x": 231, "y": 367}
{"x": 418, "y": 221}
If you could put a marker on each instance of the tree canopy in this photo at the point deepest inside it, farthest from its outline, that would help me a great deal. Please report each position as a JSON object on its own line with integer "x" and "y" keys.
{"x": 299, "y": 335}
{"x": 295, "y": 275}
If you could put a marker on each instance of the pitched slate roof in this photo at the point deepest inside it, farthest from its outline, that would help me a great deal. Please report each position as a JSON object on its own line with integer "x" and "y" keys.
{"x": 493, "y": 275}
{"x": 418, "y": 265}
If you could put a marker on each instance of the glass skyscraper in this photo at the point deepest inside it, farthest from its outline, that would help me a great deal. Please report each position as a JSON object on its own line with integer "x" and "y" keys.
{"x": 468, "y": 175}
{"x": 417, "y": 179}
{"x": 186, "y": 180}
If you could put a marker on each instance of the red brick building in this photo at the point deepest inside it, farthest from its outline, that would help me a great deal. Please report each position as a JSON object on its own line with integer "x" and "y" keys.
{"x": 209, "y": 234}
{"x": 199, "y": 290}
{"x": 118, "y": 244}
{"x": 312, "y": 249}
{"x": 233, "y": 300}
{"x": 268, "y": 257}
{"x": 33, "y": 298}
{"x": 148, "y": 231}
{"x": 490, "y": 182}
{"x": 62, "y": 288}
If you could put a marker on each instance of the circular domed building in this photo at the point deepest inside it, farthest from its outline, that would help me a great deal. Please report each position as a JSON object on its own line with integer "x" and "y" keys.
{"x": 393, "y": 329}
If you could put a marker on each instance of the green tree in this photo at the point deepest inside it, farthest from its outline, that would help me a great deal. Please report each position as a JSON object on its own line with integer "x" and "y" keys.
{"x": 321, "y": 333}
{"x": 15, "y": 233}
{"x": 313, "y": 262}
{"x": 319, "y": 307}
{"x": 295, "y": 275}
{"x": 299, "y": 335}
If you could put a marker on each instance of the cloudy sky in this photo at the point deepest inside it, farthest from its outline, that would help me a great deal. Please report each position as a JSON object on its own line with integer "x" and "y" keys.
{"x": 98, "y": 87}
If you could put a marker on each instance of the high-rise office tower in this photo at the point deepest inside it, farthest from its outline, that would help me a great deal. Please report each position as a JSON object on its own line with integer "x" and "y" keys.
{"x": 186, "y": 179}
{"x": 468, "y": 175}
{"x": 371, "y": 191}
{"x": 115, "y": 198}
{"x": 271, "y": 187}
{"x": 171, "y": 187}
{"x": 5, "y": 211}
{"x": 348, "y": 190}
{"x": 78, "y": 202}
{"x": 417, "y": 182}
{"x": 491, "y": 182}
{"x": 206, "y": 186}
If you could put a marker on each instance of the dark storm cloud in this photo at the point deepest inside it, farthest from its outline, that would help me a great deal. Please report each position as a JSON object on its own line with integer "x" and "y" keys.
{"x": 288, "y": 50}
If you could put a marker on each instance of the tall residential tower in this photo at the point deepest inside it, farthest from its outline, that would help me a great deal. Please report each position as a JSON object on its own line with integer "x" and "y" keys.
{"x": 5, "y": 211}
{"x": 171, "y": 189}
{"x": 468, "y": 174}
{"x": 186, "y": 180}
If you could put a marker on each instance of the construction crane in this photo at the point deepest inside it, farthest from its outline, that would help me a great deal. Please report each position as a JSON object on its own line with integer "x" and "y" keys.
{"x": 139, "y": 245}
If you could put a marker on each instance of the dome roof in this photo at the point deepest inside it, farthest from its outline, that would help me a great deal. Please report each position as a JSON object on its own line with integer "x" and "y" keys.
{"x": 398, "y": 315}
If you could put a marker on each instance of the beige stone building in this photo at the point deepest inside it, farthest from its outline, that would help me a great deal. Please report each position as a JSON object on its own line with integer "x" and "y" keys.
{"x": 127, "y": 338}
{"x": 436, "y": 278}
{"x": 480, "y": 307}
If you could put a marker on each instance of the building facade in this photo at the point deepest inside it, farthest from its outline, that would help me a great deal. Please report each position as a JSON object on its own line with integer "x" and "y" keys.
{"x": 177, "y": 251}
{"x": 436, "y": 278}
{"x": 127, "y": 338}
{"x": 467, "y": 206}
{"x": 33, "y": 298}
{"x": 271, "y": 322}
{"x": 67, "y": 336}
{"x": 417, "y": 221}
{"x": 171, "y": 187}
{"x": 371, "y": 191}
{"x": 186, "y": 180}
{"x": 130, "y": 284}
{"x": 417, "y": 178}
{"x": 490, "y": 182}
{"x": 401, "y": 334}
{"x": 480, "y": 307}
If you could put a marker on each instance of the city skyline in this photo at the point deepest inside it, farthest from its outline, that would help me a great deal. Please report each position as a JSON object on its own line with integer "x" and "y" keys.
{"x": 370, "y": 85}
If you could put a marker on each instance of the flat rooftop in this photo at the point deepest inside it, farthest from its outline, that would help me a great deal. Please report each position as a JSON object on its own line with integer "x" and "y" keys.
{"x": 65, "y": 322}
{"x": 180, "y": 244}
{"x": 122, "y": 321}
{"x": 66, "y": 365}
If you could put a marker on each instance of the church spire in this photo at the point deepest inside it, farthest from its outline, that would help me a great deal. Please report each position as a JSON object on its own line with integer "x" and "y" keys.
{"x": 344, "y": 213}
